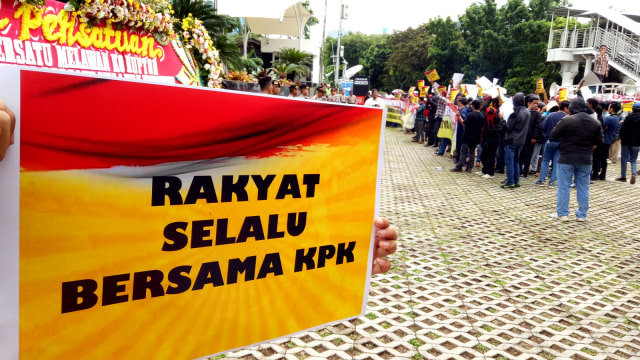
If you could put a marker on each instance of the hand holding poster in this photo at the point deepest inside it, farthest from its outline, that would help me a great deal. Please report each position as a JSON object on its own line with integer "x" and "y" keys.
{"x": 182, "y": 225}
{"x": 432, "y": 75}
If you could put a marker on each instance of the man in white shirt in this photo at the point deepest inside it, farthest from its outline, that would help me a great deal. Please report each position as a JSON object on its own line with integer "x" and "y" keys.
{"x": 374, "y": 100}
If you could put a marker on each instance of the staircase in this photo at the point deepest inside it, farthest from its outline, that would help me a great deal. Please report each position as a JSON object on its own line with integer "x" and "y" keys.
{"x": 573, "y": 46}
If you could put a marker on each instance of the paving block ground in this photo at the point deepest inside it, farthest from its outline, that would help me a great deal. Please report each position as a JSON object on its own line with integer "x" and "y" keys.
{"x": 484, "y": 273}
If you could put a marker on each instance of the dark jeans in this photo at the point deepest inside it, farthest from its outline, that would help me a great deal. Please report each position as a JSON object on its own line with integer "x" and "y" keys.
{"x": 467, "y": 155}
{"x": 525, "y": 158}
{"x": 488, "y": 156}
{"x": 436, "y": 127}
{"x": 420, "y": 130}
{"x": 511, "y": 159}
{"x": 431, "y": 138}
{"x": 500, "y": 157}
{"x": 459, "y": 136}
{"x": 600, "y": 156}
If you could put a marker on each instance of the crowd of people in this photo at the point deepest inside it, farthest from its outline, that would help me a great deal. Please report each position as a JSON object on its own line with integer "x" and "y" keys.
{"x": 270, "y": 86}
{"x": 575, "y": 140}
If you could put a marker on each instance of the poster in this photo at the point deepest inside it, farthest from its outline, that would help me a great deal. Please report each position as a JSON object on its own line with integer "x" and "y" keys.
{"x": 432, "y": 75}
{"x": 539, "y": 86}
{"x": 172, "y": 222}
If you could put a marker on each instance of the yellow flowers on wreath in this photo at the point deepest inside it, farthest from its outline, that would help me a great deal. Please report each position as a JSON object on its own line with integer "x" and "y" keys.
{"x": 196, "y": 37}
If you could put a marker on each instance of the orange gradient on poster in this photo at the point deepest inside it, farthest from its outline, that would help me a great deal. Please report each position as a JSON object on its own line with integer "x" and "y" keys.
{"x": 88, "y": 218}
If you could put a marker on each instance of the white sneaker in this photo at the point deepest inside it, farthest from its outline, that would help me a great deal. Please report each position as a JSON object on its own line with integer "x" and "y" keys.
{"x": 581, "y": 219}
{"x": 487, "y": 176}
{"x": 561, "y": 218}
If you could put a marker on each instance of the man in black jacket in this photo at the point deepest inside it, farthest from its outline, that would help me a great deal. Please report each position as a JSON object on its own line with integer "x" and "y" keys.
{"x": 579, "y": 134}
{"x": 534, "y": 135}
{"x": 431, "y": 107}
{"x": 630, "y": 140}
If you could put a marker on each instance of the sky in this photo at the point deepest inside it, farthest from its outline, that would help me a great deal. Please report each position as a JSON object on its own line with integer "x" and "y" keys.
{"x": 376, "y": 17}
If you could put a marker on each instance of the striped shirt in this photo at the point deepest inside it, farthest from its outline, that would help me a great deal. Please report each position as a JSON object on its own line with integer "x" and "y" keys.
{"x": 602, "y": 64}
{"x": 442, "y": 105}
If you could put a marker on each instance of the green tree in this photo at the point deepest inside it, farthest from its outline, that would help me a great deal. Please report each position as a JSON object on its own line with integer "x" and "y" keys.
{"x": 406, "y": 63}
{"x": 447, "y": 52}
{"x": 292, "y": 60}
{"x": 373, "y": 62}
{"x": 312, "y": 20}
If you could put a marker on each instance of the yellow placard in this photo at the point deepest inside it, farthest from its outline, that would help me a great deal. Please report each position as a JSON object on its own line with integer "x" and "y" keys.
{"x": 420, "y": 84}
{"x": 445, "y": 130}
{"x": 627, "y": 106}
{"x": 432, "y": 75}
{"x": 562, "y": 94}
{"x": 452, "y": 94}
{"x": 539, "y": 86}
{"x": 424, "y": 91}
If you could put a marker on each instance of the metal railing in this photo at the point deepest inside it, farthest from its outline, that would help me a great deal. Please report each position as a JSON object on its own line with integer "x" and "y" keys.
{"x": 622, "y": 48}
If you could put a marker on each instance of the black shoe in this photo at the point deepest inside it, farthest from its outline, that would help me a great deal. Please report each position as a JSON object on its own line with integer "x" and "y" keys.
{"x": 523, "y": 175}
{"x": 456, "y": 170}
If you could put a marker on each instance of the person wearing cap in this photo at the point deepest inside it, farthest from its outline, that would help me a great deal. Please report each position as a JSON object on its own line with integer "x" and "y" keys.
{"x": 579, "y": 134}
{"x": 275, "y": 87}
{"x": 630, "y": 141}
{"x": 293, "y": 91}
{"x": 266, "y": 85}
{"x": 304, "y": 92}
{"x": 7, "y": 126}
{"x": 320, "y": 94}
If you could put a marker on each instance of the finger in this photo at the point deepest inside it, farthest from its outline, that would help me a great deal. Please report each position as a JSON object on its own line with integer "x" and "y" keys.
{"x": 5, "y": 133}
{"x": 389, "y": 233}
{"x": 380, "y": 266}
{"x": 386, "y": 248}
{"x": 381, "y": 223}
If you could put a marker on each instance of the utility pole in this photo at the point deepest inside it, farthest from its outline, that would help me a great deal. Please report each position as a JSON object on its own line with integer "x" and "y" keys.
{"x": 324, "y": 29}
{"x": 337, "y": 62}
